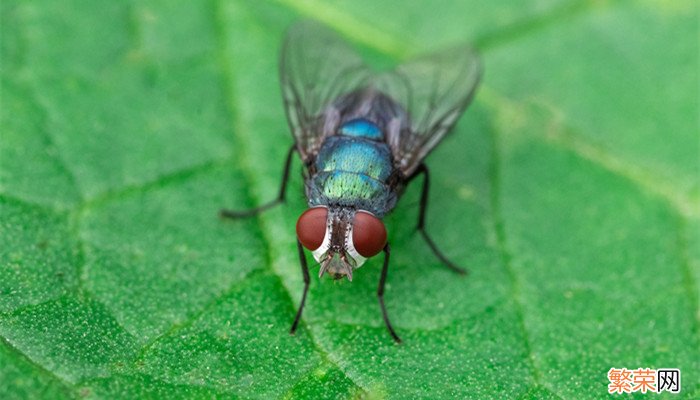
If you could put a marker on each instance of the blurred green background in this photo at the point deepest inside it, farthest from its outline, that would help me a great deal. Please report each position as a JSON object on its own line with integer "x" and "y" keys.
{"x": 570, "y": 189}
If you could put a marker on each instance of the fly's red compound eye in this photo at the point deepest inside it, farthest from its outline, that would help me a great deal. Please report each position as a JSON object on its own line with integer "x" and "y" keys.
{"x": 311, "y": 227}
{"x": 368, "y": 234}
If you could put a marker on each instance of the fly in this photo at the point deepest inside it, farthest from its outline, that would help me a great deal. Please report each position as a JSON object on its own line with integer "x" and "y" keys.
{"x": 362, "y": 136}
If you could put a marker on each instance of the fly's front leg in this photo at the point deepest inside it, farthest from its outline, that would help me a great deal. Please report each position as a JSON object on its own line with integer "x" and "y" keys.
{"x": 305, "y": 273}
{"x": 225, "y": 213}
{"x": 422, "y": 169}
{"x": 380, "y": 295}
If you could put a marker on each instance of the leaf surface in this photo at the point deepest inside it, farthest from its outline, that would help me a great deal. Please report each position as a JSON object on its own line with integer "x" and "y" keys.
{"x": 570, "y": 189}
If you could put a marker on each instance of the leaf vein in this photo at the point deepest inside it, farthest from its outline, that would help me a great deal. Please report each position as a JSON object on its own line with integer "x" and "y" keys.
{"x": 506, "y": 257}
{"x": 527, "y": 26}
{"x": 228, "y": 77}
{"x": 64, "y": 384}
{"x": 53, "y": 143}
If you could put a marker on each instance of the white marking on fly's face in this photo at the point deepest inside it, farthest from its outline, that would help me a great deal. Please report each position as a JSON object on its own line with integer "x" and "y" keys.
{"x": 350, "y": 248}
{"x": 321, "y": 251}
{"x": 326, "y": 244}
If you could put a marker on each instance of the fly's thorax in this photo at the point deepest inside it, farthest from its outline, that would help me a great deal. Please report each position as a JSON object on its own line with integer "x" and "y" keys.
{"x": 355, "y": 154}
{"x": 353, "y": 171}
{"x": 341, "y": 245}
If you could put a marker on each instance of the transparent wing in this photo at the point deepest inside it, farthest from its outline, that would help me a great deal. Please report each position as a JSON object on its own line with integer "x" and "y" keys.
{"x": 316, "y": 67}
{"x": 434, "y": 90}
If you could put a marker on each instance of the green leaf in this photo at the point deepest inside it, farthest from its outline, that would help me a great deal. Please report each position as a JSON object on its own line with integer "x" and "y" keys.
{"x": 570, "y": 189}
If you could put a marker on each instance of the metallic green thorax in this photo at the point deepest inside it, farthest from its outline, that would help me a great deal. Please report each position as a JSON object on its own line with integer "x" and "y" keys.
{"x": 352, "y": 170}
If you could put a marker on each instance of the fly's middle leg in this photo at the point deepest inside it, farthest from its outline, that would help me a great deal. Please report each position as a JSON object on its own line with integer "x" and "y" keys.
{"x": 423, "y": 169}
{"x": 235, "y": 214}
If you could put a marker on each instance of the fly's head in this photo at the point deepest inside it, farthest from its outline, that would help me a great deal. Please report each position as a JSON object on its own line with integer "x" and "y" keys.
{"x": 340, "y": 238}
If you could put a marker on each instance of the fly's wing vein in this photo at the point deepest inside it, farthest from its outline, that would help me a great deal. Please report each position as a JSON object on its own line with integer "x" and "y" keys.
{"x": 316, "y": 67}
{"x": 434, "y": 90}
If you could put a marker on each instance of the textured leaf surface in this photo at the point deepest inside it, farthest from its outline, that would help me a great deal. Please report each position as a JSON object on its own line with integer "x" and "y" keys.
{"x": 570, "y": 189}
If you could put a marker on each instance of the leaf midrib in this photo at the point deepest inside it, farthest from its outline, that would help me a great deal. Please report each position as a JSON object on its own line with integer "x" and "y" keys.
{"x": 240, "y": 134}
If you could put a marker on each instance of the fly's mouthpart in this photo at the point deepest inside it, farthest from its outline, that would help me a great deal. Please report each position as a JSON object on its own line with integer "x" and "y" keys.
{"x": 338, "y": 264}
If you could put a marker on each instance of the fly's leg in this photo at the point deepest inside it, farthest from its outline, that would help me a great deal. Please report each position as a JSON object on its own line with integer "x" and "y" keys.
{"x": 225, "y": 213}
{"x": 422, "y": 169}
{"x": 380, "y": 295}
{"x": 305, "y": 272}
